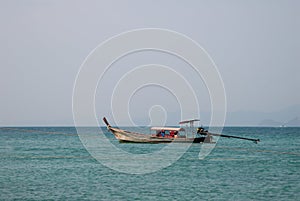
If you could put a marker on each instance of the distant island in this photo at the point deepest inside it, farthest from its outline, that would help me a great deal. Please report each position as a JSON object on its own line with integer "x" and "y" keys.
{"x": 295, "y": 122}
{"x": 289, "y": 117}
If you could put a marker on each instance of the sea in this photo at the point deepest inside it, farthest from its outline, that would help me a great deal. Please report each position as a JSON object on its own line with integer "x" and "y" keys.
{"x": 51, "y": 163}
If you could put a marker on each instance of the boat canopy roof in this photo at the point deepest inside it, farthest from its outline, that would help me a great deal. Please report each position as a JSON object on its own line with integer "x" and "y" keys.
{"x": 167, "y": 129}
{"x": 188, "y": 121}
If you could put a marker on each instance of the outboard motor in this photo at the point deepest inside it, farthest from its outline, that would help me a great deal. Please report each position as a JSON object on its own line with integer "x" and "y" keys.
{"x": 201, "y": 131}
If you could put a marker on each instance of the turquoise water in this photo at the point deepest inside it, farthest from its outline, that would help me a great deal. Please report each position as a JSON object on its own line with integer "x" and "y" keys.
{"x": 52, "y": 164}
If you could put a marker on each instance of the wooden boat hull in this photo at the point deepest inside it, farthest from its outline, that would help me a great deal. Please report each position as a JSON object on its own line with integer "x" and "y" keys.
{"x": 132, "y": 137}
{"x": 203, "y": 136}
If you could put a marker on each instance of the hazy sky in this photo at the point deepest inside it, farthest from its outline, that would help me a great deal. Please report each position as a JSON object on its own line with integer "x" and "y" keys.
{"x": 255, "y": 45}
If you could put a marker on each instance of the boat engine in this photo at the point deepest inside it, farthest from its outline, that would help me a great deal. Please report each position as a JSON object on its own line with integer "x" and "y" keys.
{"x": 201, "y": 131}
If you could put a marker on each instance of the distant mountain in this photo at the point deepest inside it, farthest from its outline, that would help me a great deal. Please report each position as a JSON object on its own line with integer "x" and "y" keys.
{"x": 270, "y": 122}
{"x": 293, "y": 122}
{"x": 287, "y": 116}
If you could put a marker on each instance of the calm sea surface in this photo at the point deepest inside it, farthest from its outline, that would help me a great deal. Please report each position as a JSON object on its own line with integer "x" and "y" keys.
{"x": 52, "y": 164}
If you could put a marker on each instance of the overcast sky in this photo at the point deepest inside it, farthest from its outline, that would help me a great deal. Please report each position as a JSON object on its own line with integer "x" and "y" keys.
{"x": 255, "y": 45}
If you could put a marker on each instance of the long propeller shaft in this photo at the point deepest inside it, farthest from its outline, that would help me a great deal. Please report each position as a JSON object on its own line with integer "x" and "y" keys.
{"x": 231, "y": 136}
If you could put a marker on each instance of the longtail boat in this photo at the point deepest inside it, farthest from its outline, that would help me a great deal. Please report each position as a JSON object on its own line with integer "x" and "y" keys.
{"x": 170, "y": 134}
